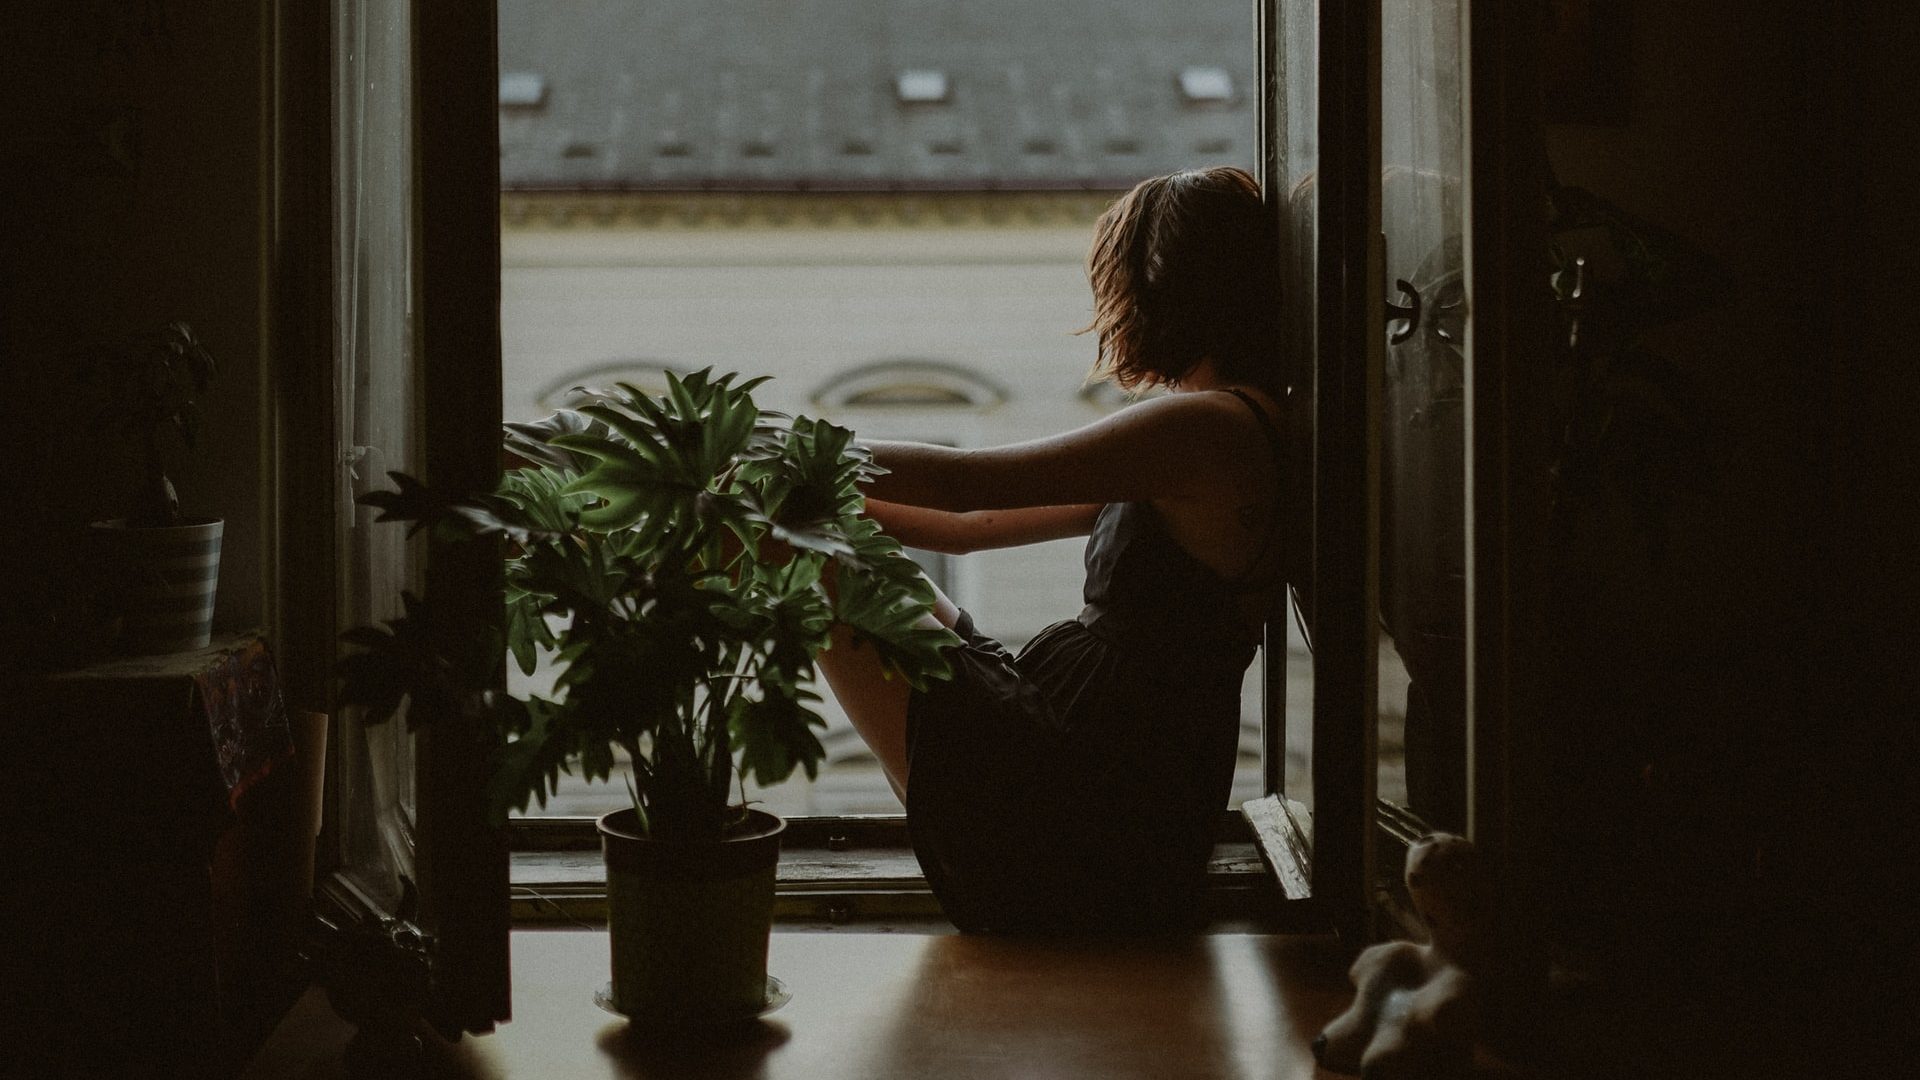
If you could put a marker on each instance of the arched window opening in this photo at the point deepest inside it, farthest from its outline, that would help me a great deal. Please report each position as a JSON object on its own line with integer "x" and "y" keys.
{"x": 909, "y": 384}
{"x": 1107, "y": 396}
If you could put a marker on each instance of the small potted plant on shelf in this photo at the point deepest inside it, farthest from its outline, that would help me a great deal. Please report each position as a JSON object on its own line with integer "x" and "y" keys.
{"x": 673, "y": 554}
{"x": 164, "y": 566}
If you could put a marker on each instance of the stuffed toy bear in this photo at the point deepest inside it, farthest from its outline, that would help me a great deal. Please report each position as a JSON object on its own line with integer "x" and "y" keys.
{"x": 1418, "y": 1010}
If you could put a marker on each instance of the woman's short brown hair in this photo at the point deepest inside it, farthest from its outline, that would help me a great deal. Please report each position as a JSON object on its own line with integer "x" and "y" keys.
{"x": 1185, "y": 267}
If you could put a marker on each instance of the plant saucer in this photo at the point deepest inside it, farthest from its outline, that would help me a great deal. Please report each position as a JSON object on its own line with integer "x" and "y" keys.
{"x": 777, "y": 995}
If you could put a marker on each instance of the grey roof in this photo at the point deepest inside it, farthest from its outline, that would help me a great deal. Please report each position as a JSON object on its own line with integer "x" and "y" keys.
{"x": 856, "y": 94}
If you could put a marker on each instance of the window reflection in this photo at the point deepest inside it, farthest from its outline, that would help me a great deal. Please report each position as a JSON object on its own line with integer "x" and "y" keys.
{"x": 1423, "y": 662}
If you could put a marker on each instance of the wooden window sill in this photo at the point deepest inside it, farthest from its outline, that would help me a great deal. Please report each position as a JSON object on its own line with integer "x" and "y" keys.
{"x": 820, "y": 886}
{"x": 860, "y": 871}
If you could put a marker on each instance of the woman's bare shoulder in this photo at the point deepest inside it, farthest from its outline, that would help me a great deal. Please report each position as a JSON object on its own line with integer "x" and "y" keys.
{"x": 1197, "y": 411}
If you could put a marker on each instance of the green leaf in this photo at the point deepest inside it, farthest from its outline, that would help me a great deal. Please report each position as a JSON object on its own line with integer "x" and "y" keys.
{"x": 534, "y": 441}
{"x": 697, "y": 663}
{"x": 892, "y": 612}
{"x": 411, "y": 502}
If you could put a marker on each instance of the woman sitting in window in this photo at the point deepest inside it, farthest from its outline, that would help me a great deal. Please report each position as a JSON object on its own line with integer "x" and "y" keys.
{"x": 1077, "y": 786}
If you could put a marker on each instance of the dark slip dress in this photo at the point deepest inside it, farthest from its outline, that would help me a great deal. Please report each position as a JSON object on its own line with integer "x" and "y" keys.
{"x": 1077, "y": 787}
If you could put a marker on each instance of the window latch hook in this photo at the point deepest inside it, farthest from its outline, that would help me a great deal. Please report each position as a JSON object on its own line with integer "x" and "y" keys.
{"x": 1410, "y": 312}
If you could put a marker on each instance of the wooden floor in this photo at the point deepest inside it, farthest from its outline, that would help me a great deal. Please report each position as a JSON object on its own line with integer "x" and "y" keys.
{"x": 890, "y": 1006}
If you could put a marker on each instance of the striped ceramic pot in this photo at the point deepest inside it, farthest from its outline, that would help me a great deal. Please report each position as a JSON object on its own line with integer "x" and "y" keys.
{"x": 167, "y": 576}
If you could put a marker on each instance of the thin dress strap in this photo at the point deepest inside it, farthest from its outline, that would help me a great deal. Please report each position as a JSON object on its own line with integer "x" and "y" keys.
{"x": 1278, "y": 449}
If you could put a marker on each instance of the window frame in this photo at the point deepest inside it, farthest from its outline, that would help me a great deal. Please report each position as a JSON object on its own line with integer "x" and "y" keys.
{"x": 464, "y": 872}
{"x": 1507, "y": 500}
{"x": 1343, "y": 765}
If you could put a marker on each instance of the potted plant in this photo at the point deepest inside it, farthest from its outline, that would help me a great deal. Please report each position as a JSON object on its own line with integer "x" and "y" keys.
{"x": 164, "y": 566}
{"x": 641, "y": 536}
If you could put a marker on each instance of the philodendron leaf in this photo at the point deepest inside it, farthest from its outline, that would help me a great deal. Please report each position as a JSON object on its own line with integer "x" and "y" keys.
{"x": 541, "y": 498}
{"x": 776, "y": 736}
{"x": 640, "y": 435}
{"x": 526, "y": 767}
{"x": 418, "y": 657}
{"x": 494, "y": 516}
{"x": 527, "y": 629}
{"x": 596, "y": 760}
{"x": 824, "y": 537}
{"x": 889, "y": 606}
{"x": 877, "y": 555}
{"x": 620, "y": 507}
{"x": 810, "y": 490}
{"x": 378, "y": 678}
{"x": 410, "y": 501}
{"x": 533, "y": 440}
{"x": 665, "y": 556}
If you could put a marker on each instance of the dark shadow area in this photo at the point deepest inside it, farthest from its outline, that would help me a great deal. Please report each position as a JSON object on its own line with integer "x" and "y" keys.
{"x": 734, "y": 1052}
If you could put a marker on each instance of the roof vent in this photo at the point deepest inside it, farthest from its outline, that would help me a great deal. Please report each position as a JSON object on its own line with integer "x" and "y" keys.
{"x": 522, "y": 89}
{"x": 1206, "y": 84}
{"x": 921, "y": 86}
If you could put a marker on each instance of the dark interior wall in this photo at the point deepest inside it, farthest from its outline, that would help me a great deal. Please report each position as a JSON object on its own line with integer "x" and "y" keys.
{"x": 1718, "y": 147}
{"x": 131, "y": 169}
{"x": 1858, "y": 840}
{"x": 1743, "y": 732}
{"x": 1677, "y": 675}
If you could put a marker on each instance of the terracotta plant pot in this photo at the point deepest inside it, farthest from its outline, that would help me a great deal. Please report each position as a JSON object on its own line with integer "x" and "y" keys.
{"x": 690, "y": 921}
{"x": 166, "y": 578}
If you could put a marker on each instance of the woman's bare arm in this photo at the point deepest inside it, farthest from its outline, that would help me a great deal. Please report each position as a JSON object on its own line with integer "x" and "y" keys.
{"x": 960, "y": 533}
{"x": 1171, "y": 447}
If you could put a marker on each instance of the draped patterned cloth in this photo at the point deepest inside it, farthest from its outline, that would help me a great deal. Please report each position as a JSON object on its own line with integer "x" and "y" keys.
{"x": 240, "y": 692}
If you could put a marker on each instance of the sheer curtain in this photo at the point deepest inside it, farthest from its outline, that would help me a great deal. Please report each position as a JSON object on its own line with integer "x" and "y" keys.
{"x": 376, "y": 404}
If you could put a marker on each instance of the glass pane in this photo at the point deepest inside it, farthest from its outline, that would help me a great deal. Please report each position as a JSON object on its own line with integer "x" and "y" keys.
{"x": 1423, "y": 669}
{"x": 376, "y": 403}
{"x": 1293, "y": 159}
{"x": 886, "y": 207}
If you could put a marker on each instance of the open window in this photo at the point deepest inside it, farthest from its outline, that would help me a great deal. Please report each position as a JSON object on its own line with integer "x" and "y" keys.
{"x": 1315, "y": 117}
{"x": 890, "y": 221}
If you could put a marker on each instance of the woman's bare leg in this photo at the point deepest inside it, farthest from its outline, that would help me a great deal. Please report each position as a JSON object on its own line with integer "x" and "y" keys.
{"x": 875, "y": 703}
